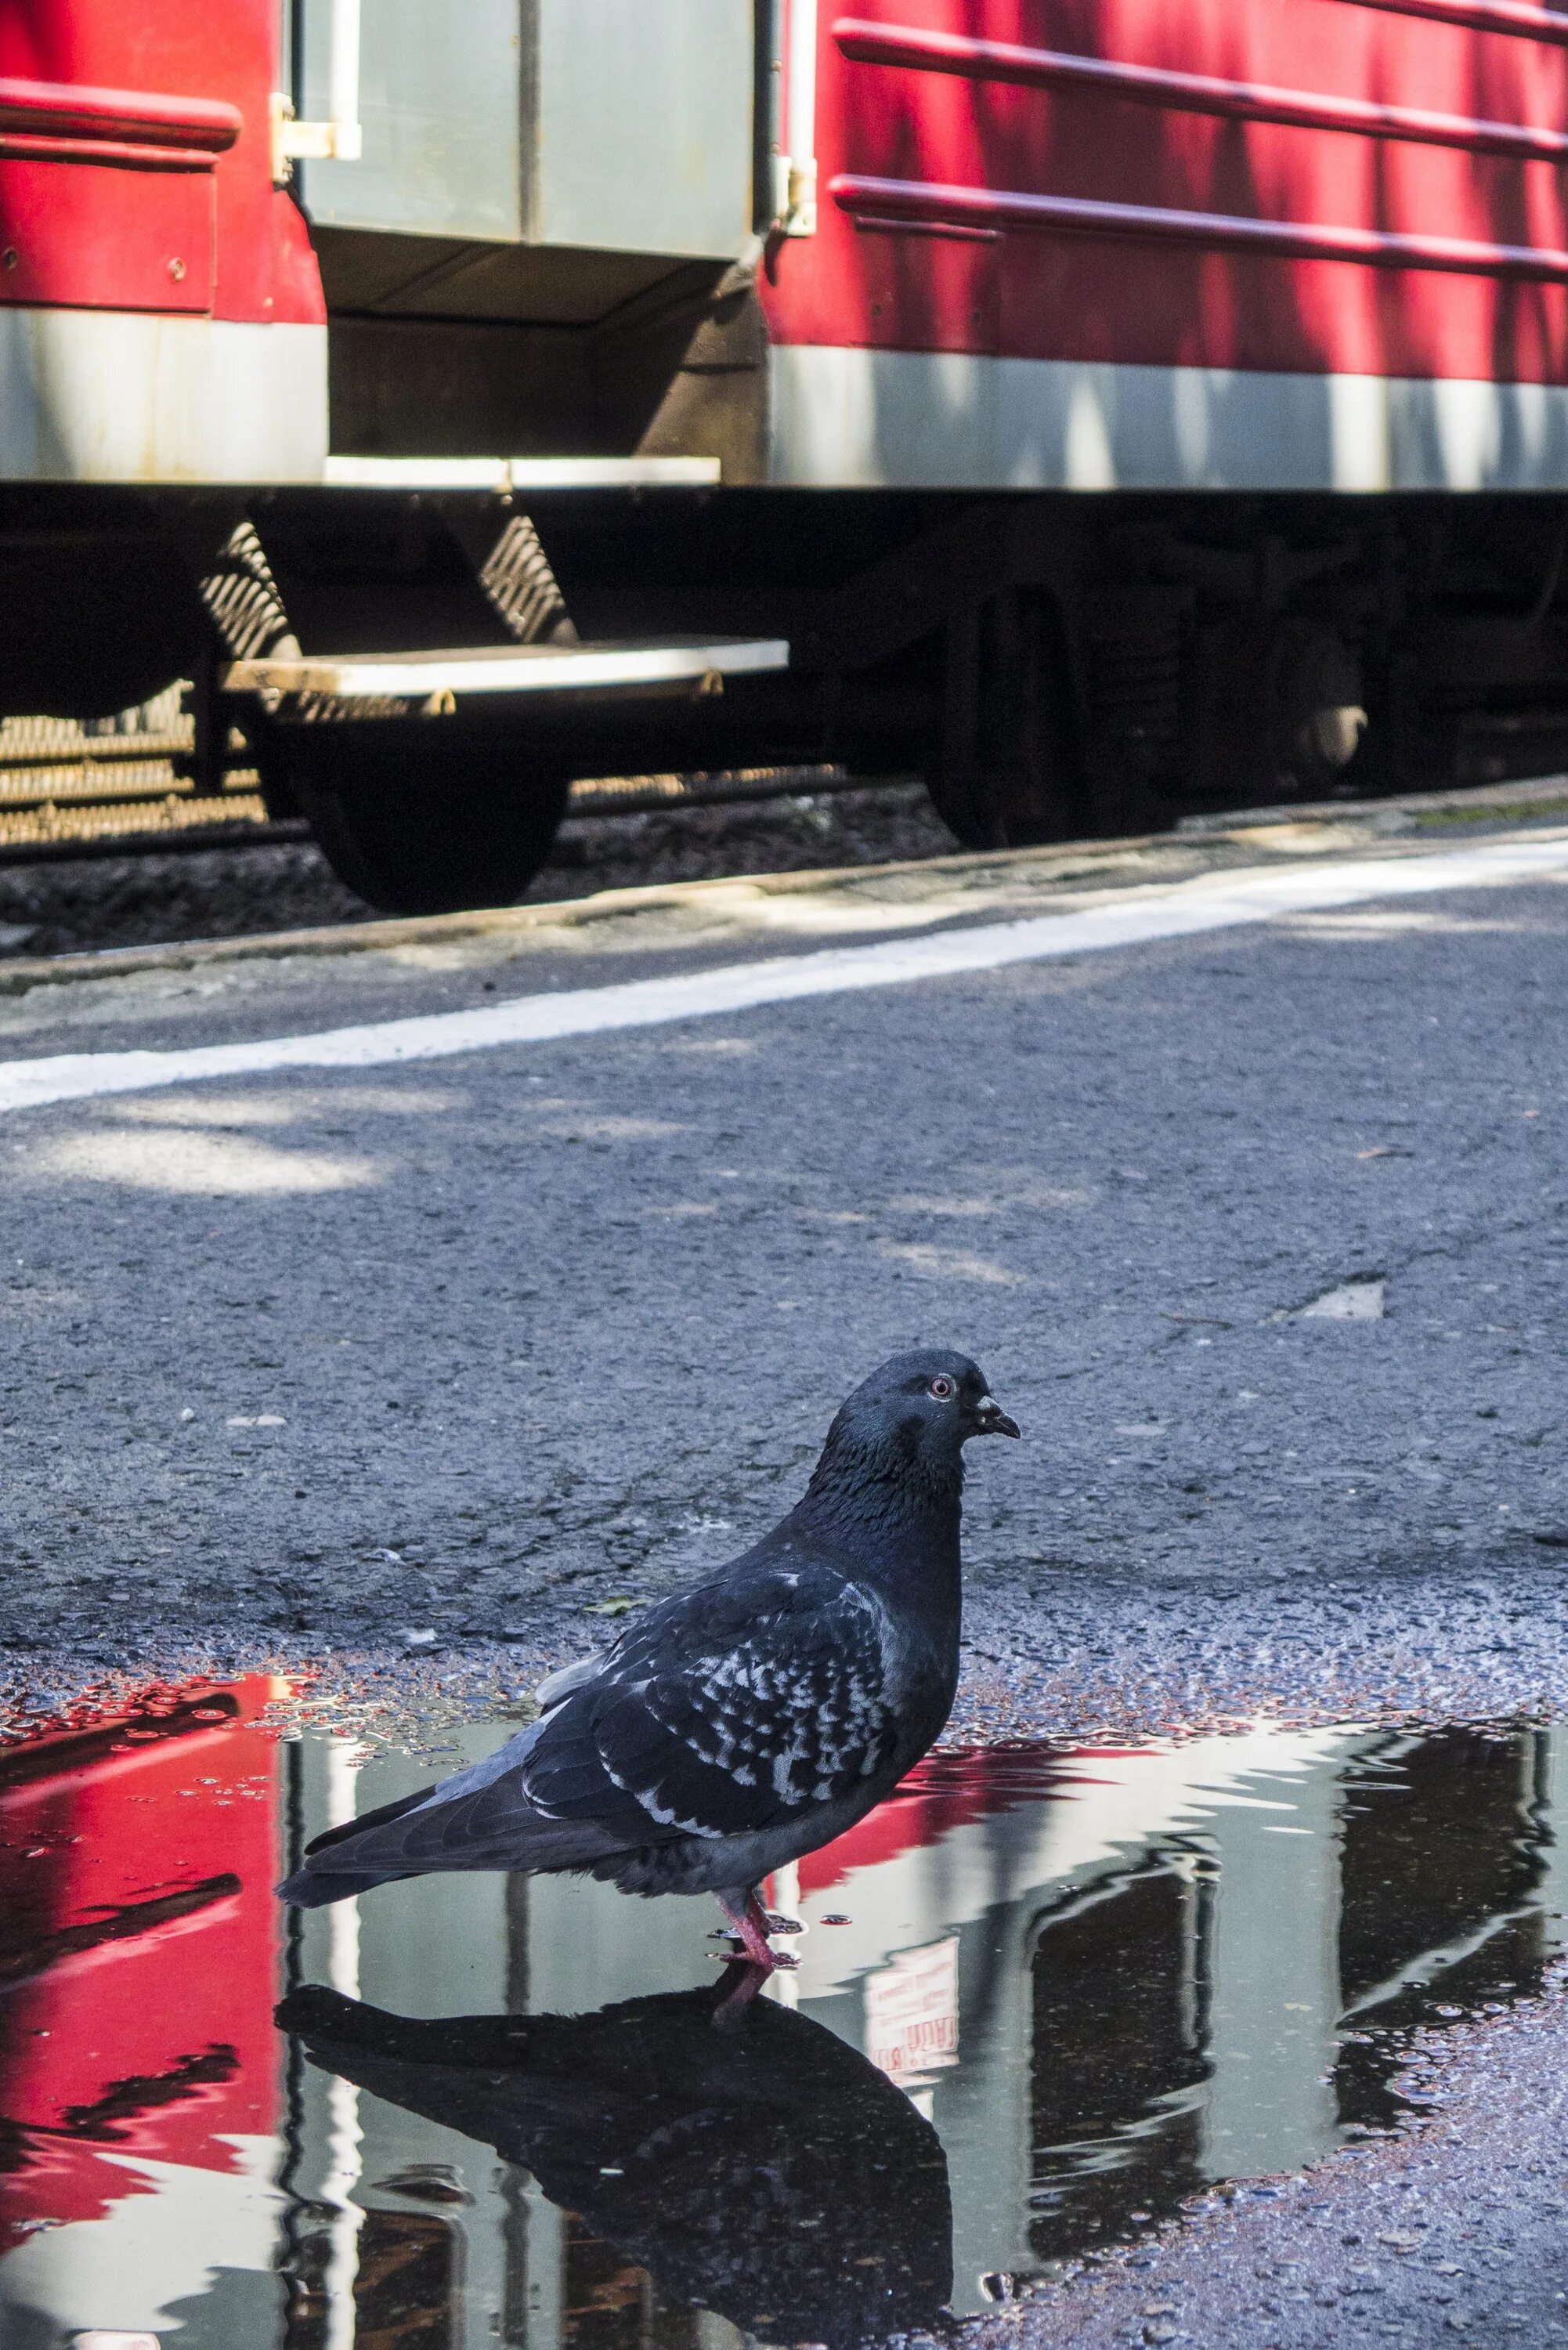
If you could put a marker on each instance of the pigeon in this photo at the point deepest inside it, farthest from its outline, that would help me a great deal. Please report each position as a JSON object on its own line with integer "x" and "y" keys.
{"x": 766, "y": 2171}
{"x": 748, "y": 1721}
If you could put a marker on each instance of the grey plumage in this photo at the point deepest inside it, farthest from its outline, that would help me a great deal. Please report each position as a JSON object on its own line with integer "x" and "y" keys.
{"x": 740, "y": 1725}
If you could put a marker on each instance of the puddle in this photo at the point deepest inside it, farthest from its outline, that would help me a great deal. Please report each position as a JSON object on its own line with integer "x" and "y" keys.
{"x": 1075, "y": 1986}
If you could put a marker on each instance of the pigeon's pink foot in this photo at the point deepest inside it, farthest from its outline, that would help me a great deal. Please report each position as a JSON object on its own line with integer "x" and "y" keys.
{"x": 751, "y": 1922}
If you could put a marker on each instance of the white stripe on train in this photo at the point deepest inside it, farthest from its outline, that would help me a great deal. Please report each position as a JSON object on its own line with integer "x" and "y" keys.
{"x": 1217, "y": 901}
{"x": 841, "y": 418}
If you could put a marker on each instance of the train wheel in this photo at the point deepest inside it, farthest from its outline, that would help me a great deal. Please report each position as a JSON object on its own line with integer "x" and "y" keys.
{"x": 1281, "y": 710}
{"x": 417, "y": 816}
{"x": 1008, "y": 773}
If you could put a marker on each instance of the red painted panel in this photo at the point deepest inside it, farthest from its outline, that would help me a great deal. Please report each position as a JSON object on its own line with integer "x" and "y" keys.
{"x": 1370, "y": 186}
{"x": 102, "y": 232}
{"x": 942, "y": 285}
{"x": 139, "y": 1954}
{"x": 204, "y": 74}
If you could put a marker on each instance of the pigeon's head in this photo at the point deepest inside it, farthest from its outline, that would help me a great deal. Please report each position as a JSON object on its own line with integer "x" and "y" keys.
{"x": 920, "y": 1409}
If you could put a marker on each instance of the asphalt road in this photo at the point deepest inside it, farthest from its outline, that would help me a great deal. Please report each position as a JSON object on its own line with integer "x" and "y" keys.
{"x": 416, "y": 1371}
{"x": 473, "y": 1345}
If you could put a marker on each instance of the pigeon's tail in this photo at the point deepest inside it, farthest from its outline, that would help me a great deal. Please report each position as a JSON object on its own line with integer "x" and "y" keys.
{"x": 315, "y": 1889}
{"x": 481, "y": 1825}
{"x": 317, "y": 1885}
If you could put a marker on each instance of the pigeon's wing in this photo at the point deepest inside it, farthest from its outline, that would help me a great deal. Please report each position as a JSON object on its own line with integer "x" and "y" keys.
{"x": 725, "y": 1711}
{"x": 728, "y": 1712}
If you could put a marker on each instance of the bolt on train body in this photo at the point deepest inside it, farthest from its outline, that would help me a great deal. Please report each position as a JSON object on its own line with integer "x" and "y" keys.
{"x": 1098, "y": 407}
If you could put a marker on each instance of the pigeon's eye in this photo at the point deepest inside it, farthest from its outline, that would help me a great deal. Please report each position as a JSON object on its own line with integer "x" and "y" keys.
{"x": 942, "y": 1388}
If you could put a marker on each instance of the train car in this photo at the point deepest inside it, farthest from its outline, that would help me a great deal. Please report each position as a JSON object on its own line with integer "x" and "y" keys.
{"x": 1100, "y": 407}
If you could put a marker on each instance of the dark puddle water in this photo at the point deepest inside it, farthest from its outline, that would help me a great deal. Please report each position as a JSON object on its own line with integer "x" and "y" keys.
{"x": 1047, "y": 1993}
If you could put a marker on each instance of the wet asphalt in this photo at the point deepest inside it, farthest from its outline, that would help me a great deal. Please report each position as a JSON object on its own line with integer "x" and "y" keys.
{"x": 1451, "y": 2229}
{"x": 422, "y": 1377}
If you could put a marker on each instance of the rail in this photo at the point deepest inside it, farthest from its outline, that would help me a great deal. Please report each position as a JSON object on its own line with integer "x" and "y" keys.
{"x": 42, "y": 823}
{"x": 1516, "y": 17}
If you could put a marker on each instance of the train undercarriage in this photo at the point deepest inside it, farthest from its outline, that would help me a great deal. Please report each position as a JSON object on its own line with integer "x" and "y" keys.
{"x": 1054, "y": 666}
{"x": 1097, "y": 437}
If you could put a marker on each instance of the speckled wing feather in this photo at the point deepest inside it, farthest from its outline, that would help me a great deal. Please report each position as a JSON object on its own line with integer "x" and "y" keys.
{"x": 726, "y": 1712}
{"x": 722, "y": 1712}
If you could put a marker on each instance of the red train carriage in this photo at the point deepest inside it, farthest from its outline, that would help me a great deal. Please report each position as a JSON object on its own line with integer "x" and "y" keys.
{"x": 1101, "y": 406}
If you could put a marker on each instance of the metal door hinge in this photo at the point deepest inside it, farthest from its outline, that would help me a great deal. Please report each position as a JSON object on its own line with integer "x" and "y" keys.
{"x": 294, "y": 141}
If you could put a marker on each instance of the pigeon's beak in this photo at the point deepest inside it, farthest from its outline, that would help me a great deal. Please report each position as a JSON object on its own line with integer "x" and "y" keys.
{"x": 990, "y": 1420}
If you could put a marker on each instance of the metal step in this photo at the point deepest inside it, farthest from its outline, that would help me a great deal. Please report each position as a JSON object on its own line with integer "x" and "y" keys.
{"x": 507, "y": 669}
{"x": 498, "y": 474}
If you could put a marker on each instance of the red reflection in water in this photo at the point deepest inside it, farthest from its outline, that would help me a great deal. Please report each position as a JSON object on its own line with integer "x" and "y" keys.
{"x": 951, "y": 1789}
{"x": 139, "y": 1949}
{"x": 141, "y": 1942}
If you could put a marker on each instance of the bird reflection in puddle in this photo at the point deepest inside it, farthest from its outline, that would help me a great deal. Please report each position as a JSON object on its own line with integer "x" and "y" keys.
{"x": 750, "y": 2160}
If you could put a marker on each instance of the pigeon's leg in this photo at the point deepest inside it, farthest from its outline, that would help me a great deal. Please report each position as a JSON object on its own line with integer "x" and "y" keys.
{"x": 750, "y": 1920}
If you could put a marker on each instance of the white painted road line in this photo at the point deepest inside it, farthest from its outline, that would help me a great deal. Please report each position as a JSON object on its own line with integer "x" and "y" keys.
{"x": 1217, "y": 901}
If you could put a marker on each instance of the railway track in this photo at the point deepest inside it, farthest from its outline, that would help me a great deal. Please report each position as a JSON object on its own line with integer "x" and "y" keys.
{"x": 106, "y": 845}
{"x": 45, "y": 831}
{"x": 70, "y": 792}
